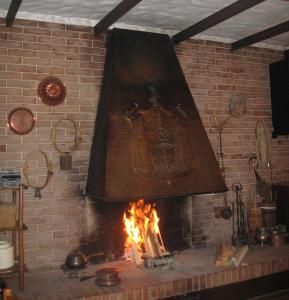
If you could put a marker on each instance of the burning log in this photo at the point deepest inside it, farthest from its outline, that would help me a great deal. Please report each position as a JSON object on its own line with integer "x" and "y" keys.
{"x": 154, "y": 242}
{"x": 135, "y": 254}
{"x": 148, "y": 246}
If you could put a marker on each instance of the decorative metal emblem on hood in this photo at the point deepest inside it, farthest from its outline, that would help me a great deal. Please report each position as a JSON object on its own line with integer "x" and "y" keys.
{"x": 161, "y": 145}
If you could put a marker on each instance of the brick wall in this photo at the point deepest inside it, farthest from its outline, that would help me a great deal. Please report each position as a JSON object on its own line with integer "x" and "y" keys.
{"x": 214, "y": 74}
{"x": 32, "y": 50}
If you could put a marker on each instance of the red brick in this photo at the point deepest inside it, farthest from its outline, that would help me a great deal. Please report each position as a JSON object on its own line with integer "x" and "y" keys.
{"x": 10, "y": 59}
{"x": 36, "y": 46}
{"x": 21, "y": 68}
{"x": 3, "y": 36}
{"x": 21, "y": 52}
{"x": 196, "y": 283}
{"x": 161, "y": 290}
{"x": 61, "y": 48}
{"x": 36, "y": 61}
{"x": 4, "y": 28}
{"x": 45, "y": 54}
{"x": 10, "y": 91}
{"x": 19, "y": 22}
{"x": 21, "y": 83}
{"x": 79, "y": 28}
{"x": 65, "y": 33}
{"x": 22, "y": 37}
{"x": 179, "y": 287}
{"x": 37, "y": 31}
{"x": 11, "y": 44}
{"x": 51, "y": 40}
{"x": 51, "y": 25}
{"x": 51, "y": 70}
{"x": 168, "y": 289}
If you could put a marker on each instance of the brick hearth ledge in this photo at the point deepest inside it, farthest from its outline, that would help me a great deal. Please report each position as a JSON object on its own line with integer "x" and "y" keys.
{"x": 194, "y": 271}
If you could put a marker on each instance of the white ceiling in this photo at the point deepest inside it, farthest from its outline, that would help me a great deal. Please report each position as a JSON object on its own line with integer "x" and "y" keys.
{"x": 168, "y": 16}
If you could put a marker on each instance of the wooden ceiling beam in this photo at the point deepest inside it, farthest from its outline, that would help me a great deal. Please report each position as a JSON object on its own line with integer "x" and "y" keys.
{"x": 261, "y": 36}
{"x": 214, "y": 19}
{"x": 120, "y": 10}
{"x": 12, "y": 11}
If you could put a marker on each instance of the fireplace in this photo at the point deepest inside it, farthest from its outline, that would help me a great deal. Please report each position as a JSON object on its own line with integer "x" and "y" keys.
{"x": 149, "y": 143}
{"x": 105, "y": 237}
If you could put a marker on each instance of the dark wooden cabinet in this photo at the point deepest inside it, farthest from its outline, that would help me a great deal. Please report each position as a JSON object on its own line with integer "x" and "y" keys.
{"x": 281, "y": 196}
{"x": 279, "y": 87}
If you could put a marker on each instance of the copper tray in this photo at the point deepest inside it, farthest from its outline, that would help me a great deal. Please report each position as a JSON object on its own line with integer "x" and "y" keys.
{"x": 51, "y": 90}
{"x": 21, "y": 120}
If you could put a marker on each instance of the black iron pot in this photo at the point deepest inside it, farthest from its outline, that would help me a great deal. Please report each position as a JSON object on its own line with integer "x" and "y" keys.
{"x": 76, "y": 260}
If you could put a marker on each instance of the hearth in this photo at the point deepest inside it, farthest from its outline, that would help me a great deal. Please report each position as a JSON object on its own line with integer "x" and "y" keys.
{"x": 105, "y": 237}
{"x": 194, "y": 273}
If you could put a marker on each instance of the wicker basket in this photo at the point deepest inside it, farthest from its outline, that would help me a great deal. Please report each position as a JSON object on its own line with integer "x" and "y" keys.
{"x": 7, "y": 215}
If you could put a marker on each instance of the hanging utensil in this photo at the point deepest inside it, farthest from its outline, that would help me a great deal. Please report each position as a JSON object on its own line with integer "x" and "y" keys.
{"x": 65, "y": 156}
{"x": 237, "y": 108}
{"x": 263, "y": 152}
{"x": 226, "y": 211}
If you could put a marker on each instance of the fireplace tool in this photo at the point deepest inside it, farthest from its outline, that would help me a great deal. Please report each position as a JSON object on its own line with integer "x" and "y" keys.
{"x": 226, "y": 211}
{"x": 240, "y": 233}
{"x": 237, "y": 108}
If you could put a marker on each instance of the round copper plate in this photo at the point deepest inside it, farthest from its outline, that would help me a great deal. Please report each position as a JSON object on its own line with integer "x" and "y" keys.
{"x": 21, "y": 120}
{"x": 51, "y": 90}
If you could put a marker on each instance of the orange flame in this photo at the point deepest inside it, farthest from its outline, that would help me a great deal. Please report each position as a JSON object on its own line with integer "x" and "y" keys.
{"x": 137, "y": 219}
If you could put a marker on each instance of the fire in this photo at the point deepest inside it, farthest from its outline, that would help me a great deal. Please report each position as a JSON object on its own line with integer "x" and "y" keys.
{"x": 143, "y": 233}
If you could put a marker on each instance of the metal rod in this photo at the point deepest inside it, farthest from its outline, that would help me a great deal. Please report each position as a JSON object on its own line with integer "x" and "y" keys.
{"x": 21, "y": 239}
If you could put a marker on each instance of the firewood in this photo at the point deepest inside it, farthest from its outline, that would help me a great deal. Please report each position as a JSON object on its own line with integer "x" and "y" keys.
{"x": 154, "y": 242}
{"x": 135, "y": 254}
{"x": 239, "y": 255}
{"x": 224, "y": 255}
{"x": 148, "y": 248}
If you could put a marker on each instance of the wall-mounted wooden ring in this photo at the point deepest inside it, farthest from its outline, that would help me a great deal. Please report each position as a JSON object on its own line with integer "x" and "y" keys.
{"x": 48, "y": 174}
{"x": 76, "y": 136}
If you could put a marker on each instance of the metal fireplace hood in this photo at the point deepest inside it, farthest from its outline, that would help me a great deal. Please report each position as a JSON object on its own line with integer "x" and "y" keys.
{"x": 149, "y": 141}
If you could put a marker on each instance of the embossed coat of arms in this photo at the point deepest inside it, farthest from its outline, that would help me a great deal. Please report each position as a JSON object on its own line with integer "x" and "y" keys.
{"x": 161, "y": 145}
